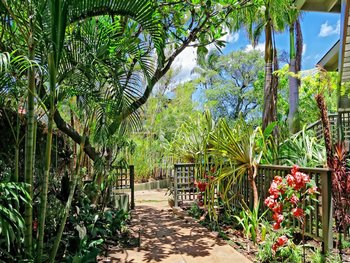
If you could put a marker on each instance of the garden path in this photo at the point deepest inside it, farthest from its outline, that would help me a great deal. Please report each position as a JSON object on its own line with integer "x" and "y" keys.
{"x": 170, "y": 237}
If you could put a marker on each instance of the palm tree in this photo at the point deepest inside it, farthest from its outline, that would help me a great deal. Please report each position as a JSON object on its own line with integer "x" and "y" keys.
{"x": 296, "y": 50}
{"x": 269, "y": 20}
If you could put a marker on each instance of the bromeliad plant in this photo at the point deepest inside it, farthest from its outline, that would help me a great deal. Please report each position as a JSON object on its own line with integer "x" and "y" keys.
{"x": 287, "y": 200}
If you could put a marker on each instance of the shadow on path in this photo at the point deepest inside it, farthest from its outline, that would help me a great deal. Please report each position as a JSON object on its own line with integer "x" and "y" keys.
{"x": 166, "y": 238}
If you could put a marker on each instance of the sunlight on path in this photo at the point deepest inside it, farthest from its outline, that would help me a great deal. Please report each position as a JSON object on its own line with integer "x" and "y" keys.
{"x": 166, "y": 238}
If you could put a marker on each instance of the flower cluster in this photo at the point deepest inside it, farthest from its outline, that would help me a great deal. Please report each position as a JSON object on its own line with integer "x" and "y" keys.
{"x": 286, "y": 196}
{"x": 202, "y": 185}
{"x": 280, "y": 242}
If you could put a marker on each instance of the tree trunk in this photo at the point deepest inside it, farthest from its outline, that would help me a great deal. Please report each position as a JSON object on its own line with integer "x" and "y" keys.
{"x": 252, "y": 176}
{"x": 326, "y": 128}
{"x": 45, "y": 185}
{"x": 269, "y": 110}
{"x": 29, "y": 148}
{"x": 293, "y": 99}
{"x": 296, "y": 50}
{"x": 68, "y": 205}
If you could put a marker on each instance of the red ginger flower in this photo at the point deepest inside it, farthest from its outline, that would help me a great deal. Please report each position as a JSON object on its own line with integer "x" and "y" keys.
{"x": 276, "y": 226}
{"x": 270, "y": 202}
{"x": 278, "y": 217}
{"x": 277, "y": 208}
{"x": 282, "y": 240}
{"x": 290, "y": 180}
{"x": 295, "y": 169}
{"x": 298, "y": 212}
{"x": 274, "y": 190}
{"x": 278, "y": 179}
{"x": 294, "y": 199}
{"x": 201, "y": 186}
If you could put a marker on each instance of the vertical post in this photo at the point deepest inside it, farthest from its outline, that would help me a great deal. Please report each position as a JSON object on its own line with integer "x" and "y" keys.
{"x": 175, "y": 186}
{"x": 327, "y": 215}
{"x": 132, "y": 186}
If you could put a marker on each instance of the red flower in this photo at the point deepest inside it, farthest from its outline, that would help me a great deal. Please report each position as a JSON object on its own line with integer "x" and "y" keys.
{"x": 278, "y": 217}
{"x": 298, "y": 212}
{"x": 282, "y": 240}
{"x": 201, "y": 186}
{"x": 294, "y": 199}
{"x": 295, "y": 169}
{"x": 274, "y": 247}
{"x": 278, "y": 179}
{"x": 277, "y": 208}
{"x": 290, "y": 180}
{"x": 276, "y": 226}
{"x": 274, "y": 190}
{"x": 270, "y": 202}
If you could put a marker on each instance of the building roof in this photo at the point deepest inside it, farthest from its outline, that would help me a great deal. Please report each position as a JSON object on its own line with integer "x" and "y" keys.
{"x": 330, "y": 60}
{"x": 319, "y": 5}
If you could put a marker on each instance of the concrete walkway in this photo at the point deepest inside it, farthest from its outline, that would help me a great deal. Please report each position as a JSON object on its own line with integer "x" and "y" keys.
{"x": 168, "y": 237}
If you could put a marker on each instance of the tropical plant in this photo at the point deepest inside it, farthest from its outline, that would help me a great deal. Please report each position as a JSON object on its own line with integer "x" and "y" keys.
{"x": 341, "y": 192}
{"x": 44, "y": 31}
{"x": 12, "y": 224}
{"x": 253, "y": 223}
{"x": 290, "y": 198}
{"x": 303, "y": 149}
{"x": 191, "y": 142}
{"x": 238, "y": 146}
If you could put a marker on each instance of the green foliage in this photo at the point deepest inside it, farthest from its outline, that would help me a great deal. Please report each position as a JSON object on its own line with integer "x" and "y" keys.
{"x": 195, "y": 211}
{"x": 231, "y": 84}
{"x": 89, "y": 229}
{"x": 253, "y": 223}
{"x": 11, "y": 221}
{"x": 312, "y": 83}
{"x": 303, "y": 149}
{"x": 289, "y": 253}
{"x": 318, "y": 257}
{"x": 162, "y": 117}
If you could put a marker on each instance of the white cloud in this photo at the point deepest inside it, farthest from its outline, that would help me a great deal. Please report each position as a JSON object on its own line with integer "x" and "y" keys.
{"x": 260, "y": 47}
{"x": 304, "y": 49}
{"x": 328, "y": 30}
{"x": 230, "y": 37}
{"x": 186, "y": 61}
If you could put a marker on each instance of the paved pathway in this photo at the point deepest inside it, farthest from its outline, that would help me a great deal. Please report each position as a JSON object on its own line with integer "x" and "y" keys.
{"x": 166, "y": 237}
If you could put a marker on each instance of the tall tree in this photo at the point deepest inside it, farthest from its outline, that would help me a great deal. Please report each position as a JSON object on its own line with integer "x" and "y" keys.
{"x": 295, "y": 53}
{"x": 232, "y": 88}
{"x": 269, "y": 20}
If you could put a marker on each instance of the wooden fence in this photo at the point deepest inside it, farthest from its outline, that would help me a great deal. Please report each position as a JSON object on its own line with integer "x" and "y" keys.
{"x": 318, "y": 223}
{"x": 125, "y": 179}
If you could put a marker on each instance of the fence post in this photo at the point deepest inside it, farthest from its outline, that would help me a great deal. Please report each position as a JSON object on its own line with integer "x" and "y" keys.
{"x": 327, "y": 208}
{"x": 132, "y": 186}
{"x": 175, "y": 186}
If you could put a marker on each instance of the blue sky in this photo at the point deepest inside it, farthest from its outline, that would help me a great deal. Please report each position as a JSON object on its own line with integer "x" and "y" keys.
{"x": 320, "y": 32}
